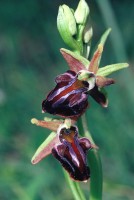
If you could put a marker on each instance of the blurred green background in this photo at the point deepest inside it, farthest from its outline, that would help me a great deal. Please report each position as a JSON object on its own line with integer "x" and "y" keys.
{"x": 29, "y": 61}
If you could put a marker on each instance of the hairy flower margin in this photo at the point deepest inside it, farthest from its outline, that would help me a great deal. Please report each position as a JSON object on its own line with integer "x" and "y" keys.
{"x": 69, "y": 98}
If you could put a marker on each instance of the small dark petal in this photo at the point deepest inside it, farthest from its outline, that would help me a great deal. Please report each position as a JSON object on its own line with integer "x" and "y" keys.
{"x": 102, "y": 81}
{"x": 71, "y": 153}
{"x": 85, "y": 144}
{"x": 99, "y": 96}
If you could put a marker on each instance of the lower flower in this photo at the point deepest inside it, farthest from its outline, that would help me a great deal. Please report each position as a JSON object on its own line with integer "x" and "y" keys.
{"x": 67, "y": 147}
{"x": 71, "y": 153}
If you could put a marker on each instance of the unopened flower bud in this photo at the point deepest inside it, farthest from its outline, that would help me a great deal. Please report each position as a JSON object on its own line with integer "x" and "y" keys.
{"x": 66, "y": 24}
{"x": 88, "y": 35}
{"x": 68, "y": 18}
{"x": 82, "y": 12}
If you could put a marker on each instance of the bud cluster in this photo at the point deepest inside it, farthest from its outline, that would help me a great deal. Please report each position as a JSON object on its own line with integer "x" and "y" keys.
{"x": 74, "y": 28}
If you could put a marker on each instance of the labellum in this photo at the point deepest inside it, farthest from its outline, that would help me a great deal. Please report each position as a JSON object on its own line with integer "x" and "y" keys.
{"x": 69, "y": 98}
{"x": 71, "y": 153}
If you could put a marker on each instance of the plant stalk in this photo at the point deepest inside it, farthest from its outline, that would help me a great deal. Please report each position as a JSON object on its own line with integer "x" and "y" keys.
{"x": 76, "y": 190}
{"x": 96, "y": 179}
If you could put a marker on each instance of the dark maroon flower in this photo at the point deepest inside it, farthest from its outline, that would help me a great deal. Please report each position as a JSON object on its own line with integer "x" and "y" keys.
{"x": 69, "y": 98}
{"x": 65, "y": 145}
{"x": 71, "y": 153}
{"x": 79, "y": 63}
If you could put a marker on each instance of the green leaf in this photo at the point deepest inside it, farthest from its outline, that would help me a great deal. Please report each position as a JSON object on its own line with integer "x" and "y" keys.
{"x": 45, "y": 148}
{"x": 109, "y": 69}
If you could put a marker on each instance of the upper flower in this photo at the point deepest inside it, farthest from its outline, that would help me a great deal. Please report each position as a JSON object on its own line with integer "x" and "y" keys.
{"x": 76, "y": 31}
{"x": 78, "y": 63}
{"x": 70, "y": 96}
{"x": 71, "y": 153}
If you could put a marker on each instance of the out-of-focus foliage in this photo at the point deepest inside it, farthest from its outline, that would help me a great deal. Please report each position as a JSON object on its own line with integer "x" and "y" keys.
{"x": 29, "y": 61}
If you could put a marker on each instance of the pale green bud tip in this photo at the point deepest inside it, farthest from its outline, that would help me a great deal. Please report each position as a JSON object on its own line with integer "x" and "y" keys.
{"x": 82, "y": 12}
{"x": 88, "y": 35}
{"x": 69, "y": 19}
{"x": 34, "y": 121}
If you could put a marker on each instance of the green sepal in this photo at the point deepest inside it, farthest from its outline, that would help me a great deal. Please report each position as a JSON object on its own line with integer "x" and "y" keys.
{"x": 109, "y": 69}
{"x": 105, "y": 36}
{"x": 74, "y": 60}
{"x": 102, "y": 41}
{"x": 45, "y": 148}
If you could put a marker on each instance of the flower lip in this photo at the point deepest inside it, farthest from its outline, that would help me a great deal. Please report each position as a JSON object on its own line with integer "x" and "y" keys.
{"x": 69, "y": 97}
{"x": 66, "y": 146}
{"x": 71, "y": 152}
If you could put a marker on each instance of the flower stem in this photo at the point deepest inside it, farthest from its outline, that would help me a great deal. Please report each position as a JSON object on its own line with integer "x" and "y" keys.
{"x": 96, "y": 178}
{"x": 80, "y": 191}
{"x": 76, "y": 190}
{"x": 85, "y": 128}
{"x": 96, "y": 175}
